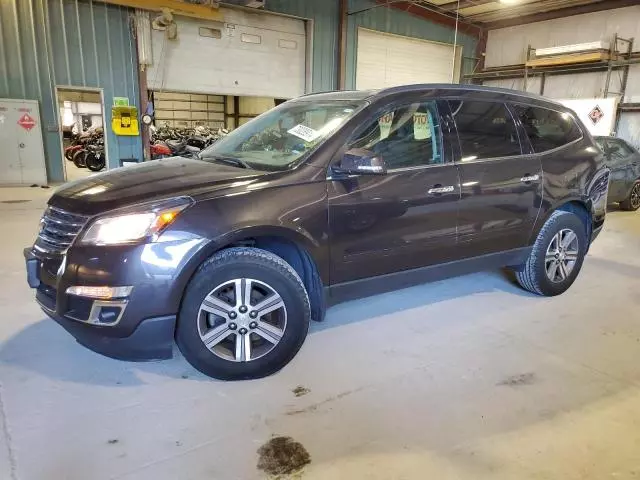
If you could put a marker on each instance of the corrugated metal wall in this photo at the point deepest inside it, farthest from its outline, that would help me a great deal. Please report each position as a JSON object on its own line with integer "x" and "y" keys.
{"x": 78, "y": 43}
{"x": 389, "y": 20}
{"x": 508, "y": 46}
{"x": 324, "y": 14}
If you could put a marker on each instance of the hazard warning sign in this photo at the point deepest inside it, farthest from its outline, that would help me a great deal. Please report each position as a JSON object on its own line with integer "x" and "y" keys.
{"x": 27, "y": 122}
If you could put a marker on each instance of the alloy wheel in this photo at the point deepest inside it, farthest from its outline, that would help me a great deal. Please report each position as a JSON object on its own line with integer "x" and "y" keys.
{"x": 242, "y": 319}
{"x": 562, "y": 255}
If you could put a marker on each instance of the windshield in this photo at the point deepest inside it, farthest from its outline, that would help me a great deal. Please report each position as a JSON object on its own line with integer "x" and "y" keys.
{"x": 280, "y": 138}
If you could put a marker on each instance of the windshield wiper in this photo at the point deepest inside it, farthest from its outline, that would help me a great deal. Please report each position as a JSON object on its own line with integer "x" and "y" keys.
{"x": 236, "y": 162}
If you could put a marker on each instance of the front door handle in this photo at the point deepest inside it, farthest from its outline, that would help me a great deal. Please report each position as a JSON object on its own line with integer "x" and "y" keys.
{"x": 530, "y": 178}
{"x": 439, "y": 189}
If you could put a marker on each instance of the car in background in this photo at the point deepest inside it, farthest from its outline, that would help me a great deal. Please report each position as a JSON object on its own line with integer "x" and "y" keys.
{"x": 624, "y": 162}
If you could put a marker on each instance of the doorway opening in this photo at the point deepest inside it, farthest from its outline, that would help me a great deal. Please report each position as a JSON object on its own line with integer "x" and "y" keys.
{"x": 81, "y": 116}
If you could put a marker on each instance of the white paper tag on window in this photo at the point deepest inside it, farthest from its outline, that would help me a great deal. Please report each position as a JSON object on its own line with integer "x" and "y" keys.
{"x": 384, "y": 123}
{"x": 421, "y": 126}
{"x": 305, "y": 133}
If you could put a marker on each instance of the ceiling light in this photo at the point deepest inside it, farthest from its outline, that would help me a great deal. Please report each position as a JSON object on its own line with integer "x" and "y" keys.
{"x": 509, "y": 2}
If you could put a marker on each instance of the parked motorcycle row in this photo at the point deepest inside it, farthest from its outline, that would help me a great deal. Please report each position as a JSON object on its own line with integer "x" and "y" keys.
{"x": 87, "y": 150}
{"x": 184, "y": 142}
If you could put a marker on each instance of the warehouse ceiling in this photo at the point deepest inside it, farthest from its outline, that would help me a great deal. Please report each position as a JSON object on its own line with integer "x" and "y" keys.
{"x": 503, "y": 13}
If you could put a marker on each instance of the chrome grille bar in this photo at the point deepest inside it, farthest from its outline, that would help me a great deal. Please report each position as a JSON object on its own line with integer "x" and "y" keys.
{"x": 58, "y": 229}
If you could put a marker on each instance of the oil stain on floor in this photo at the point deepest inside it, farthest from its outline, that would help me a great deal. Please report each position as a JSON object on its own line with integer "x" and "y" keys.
{"x": 519, "y": 380}
{"x": 300, "y": 391}
{"x": 282, "y": 456}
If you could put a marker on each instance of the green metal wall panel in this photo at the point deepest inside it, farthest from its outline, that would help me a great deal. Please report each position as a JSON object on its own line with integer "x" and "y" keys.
{"x": 325, "y": 16}
{"x": 390, "y": 20}
{"x": 80, "y": 43}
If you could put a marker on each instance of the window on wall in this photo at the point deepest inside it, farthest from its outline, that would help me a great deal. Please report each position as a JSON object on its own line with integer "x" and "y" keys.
{"x": 547, "y": 129}
{"x": 406, "y": 136}
{"x": 486, "y": 130}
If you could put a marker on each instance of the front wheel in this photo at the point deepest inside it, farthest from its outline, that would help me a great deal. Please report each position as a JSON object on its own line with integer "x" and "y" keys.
{"x": 556, "y": 257}
{"x": 632, "y": 202}
{"x": 245, "y": 314}
{"x": 95, "y": 161}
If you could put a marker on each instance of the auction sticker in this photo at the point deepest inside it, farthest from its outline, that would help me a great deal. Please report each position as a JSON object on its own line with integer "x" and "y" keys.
{"x": 305, "y": 133}
{"x": 421, "y": 126}
{"x": 384, "y": 124}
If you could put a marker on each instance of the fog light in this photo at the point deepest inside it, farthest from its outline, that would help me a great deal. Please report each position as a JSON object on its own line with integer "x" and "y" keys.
{"x": 100, "y": 292}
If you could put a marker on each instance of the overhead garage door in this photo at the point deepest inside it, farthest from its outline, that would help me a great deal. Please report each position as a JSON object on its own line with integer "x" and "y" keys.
{"x": 386, "y": 60}
{"x": 250, "y": 54}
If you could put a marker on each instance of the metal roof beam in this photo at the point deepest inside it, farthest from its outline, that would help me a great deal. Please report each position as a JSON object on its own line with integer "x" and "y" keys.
{"x": 452, "y": 6}
{"x": 208, "y": 11}
{"x": 560, "y": 13}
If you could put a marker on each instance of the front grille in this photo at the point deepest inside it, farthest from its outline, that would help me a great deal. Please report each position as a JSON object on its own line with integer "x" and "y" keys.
{"x": 58, "y": 229}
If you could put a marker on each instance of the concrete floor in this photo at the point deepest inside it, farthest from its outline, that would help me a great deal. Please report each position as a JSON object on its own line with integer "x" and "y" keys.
{"x": 75, "y": 173}
{"x": 469, "y": 378}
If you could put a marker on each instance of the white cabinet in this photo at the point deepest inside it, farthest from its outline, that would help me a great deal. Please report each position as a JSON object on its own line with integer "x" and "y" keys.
{"x": 21, "y": 149}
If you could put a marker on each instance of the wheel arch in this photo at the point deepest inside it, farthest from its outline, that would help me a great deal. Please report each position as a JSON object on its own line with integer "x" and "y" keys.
{"x": 580, "y": 207}
{"x": 306, "y": 257}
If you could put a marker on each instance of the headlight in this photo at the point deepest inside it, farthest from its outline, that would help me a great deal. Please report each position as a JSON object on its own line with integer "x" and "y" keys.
{"x": 129, "y": 225}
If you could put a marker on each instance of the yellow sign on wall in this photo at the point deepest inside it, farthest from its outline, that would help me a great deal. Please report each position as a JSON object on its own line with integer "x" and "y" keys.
{"x": 124, "y": 120}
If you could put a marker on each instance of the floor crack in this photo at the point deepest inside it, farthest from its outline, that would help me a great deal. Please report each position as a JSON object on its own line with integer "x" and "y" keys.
{"x": 5, "y": 431}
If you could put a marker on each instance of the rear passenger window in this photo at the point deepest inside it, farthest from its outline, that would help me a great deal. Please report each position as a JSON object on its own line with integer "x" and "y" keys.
{"x": 485, "y": 129}
{"x": 547, "y": 129}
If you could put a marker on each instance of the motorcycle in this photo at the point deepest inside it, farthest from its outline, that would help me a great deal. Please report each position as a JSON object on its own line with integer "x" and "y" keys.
{"x": 185, "y": 142}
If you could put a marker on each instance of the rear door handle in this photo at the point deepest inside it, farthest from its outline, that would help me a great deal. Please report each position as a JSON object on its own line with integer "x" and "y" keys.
{"x": 530, "y": 178}
{"x": 439, "y": 190}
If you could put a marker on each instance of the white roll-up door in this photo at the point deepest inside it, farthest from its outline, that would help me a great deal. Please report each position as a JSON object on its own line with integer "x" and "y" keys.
{"x": 386, "y": 60}
{"x": 249, "y": 54}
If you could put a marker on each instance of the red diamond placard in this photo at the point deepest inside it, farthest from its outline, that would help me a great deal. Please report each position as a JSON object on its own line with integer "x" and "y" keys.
{"x": 596, "y": 114}
{"x": 27, "y": 122}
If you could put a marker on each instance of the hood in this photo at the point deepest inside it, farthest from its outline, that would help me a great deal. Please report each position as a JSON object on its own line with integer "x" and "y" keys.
{"x": 149, "y": 181}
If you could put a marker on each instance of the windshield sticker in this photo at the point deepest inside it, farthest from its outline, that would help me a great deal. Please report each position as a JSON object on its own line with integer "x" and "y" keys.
{"x": 385, "y": 125}
{"x": 305, "y": 133}
{"x": 421, "y": 126}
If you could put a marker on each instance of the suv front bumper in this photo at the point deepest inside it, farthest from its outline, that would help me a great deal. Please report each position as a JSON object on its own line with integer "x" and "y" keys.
{"x": 140, "y": 327}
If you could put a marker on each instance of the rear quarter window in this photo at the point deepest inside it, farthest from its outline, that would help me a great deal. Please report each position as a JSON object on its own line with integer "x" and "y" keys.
{"x": 547, "y": 129}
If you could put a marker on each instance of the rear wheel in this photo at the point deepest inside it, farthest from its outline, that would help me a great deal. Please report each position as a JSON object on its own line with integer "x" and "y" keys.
{"x": 556, "y": 257}
{"x": 632, "y": 202}
{"x": 79, "y": 158}
{"x": 245, "y": 314}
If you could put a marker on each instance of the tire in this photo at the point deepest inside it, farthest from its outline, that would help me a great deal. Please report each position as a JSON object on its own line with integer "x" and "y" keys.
{"x": 632, "y": 202}
{"x": 78, "y": 158}
{"x": 261, "y": 269}
{"x": 93, "y": 162}
{"x": 68, "y": 153}
{"x": 533, "y": 274}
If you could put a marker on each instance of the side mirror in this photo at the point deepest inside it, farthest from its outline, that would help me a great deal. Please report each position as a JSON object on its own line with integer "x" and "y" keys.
{"x": 363, "y": 162}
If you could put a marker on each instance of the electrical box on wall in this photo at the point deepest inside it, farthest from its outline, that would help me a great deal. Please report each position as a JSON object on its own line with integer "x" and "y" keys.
{"x": 124, "y": 120}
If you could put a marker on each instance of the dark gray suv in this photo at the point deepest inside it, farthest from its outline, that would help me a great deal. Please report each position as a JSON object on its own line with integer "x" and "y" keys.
{"x": 325, "y": 197}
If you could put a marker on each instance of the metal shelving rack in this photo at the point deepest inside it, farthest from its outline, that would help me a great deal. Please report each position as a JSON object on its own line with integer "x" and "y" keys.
{"x": 619, "y": 58}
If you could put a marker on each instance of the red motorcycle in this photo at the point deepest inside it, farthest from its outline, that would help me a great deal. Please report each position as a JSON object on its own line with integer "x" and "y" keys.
{"x": 160, "y": 150}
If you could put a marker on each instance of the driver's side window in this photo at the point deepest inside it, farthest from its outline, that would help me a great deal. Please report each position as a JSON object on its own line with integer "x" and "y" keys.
{"x": 405, "y": 136}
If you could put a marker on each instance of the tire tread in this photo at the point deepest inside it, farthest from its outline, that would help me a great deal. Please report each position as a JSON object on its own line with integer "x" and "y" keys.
{"x": 526, "y": 276}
